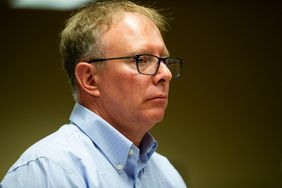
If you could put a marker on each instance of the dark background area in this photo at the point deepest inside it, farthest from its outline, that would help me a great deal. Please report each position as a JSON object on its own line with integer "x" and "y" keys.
{"x": 223, "y": 124}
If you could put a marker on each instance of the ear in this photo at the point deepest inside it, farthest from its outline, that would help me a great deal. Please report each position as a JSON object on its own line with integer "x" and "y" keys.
{"x": 86, "y": 75}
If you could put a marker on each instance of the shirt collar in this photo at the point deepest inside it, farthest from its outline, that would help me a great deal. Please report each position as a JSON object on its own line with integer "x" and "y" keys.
{"x": 111, "y": 142}
{"x": 147, "y": 147}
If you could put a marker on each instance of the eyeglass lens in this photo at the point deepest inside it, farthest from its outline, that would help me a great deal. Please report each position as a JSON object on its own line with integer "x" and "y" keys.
{"x": 149, "y": 64}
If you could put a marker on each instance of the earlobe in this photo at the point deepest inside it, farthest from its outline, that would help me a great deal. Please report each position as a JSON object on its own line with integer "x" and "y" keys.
{"x": 86, "y": 75}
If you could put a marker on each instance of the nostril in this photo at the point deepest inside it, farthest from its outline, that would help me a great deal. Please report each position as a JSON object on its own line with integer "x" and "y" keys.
{"x": 162, "y": 80}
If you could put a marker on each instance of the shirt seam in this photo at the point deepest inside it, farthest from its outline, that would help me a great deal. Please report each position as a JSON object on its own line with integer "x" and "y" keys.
{"x": 70, "y": 170}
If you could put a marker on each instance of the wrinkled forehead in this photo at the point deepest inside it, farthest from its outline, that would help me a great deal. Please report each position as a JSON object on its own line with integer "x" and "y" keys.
{"x": 132, "y": 32}
{"x": 131, "y": 26}
{"x": 119, "y": 16}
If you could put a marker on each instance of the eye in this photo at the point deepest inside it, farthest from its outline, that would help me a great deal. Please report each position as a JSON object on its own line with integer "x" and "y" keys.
{"x": 142, "y": 60}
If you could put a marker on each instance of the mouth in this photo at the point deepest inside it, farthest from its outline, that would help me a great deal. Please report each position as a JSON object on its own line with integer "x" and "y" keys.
{"x": 159, "y": 98}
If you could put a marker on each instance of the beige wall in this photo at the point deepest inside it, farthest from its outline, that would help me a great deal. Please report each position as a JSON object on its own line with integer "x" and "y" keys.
{"x": 223, "y": 123}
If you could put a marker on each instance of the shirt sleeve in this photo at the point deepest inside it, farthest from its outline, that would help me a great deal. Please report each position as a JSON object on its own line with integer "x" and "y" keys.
{"x": 40, "y": 173}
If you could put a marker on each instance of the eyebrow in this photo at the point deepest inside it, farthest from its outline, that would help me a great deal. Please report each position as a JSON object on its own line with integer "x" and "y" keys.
{"x": 164, "y": 53}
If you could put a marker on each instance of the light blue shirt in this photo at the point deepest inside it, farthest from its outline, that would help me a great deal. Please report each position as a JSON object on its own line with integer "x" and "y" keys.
{"x": 89, "y": 152}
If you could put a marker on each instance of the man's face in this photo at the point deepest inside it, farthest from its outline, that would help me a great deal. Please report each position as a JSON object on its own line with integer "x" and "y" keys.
{"x": 130, "y": 101}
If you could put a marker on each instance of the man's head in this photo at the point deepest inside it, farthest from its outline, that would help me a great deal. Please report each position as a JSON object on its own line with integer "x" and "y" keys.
{"x": 121, "y": 88}
{"x": 81, "y": 39}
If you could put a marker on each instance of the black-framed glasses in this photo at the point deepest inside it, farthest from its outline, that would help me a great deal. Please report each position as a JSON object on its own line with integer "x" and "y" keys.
{"x": 149, "y": 64}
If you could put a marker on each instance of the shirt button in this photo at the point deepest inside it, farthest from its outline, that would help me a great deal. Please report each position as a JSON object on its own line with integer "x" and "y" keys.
{"x": 131, "y": 152}
{"x": 119, "y": 167}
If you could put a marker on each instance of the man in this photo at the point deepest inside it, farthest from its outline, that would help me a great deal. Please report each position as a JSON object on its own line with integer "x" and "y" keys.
{"x": 120, "y": 70}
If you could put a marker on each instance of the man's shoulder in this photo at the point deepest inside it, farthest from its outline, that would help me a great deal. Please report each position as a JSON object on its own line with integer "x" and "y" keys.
{"x": 161, "y": 166}
{"x": 56, "y": 147}
{"x": 53, "y": 161}
{"x": 160, "y": 160}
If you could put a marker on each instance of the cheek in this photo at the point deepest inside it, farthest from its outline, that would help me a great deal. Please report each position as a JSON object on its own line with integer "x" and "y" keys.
{"x": 135, "y": 88}
{"x": 125, "y": 86}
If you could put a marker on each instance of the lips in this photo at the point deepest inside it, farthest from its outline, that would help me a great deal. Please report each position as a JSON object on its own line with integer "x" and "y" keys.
{"x": 160, "y": 97}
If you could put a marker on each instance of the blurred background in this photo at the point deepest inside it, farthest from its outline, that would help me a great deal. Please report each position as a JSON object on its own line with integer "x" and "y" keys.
{"x": 223, "y": 123}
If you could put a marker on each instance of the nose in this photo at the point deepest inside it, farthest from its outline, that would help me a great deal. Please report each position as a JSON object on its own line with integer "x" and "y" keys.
{"x": 163, "y": 74}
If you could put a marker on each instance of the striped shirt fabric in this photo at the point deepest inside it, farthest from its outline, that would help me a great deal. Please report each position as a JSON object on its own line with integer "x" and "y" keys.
{"x": 89, "y": 153}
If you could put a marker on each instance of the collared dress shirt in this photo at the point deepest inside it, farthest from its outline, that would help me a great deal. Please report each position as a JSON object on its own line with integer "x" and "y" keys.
{"x": 89, "y": 152}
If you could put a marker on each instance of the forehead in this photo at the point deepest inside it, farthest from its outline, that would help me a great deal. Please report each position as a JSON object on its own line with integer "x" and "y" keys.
{"x": 131, "y": 33}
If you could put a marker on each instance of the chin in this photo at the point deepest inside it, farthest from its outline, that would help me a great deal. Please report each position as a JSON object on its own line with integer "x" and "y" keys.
{"x": 154, "y": 117}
